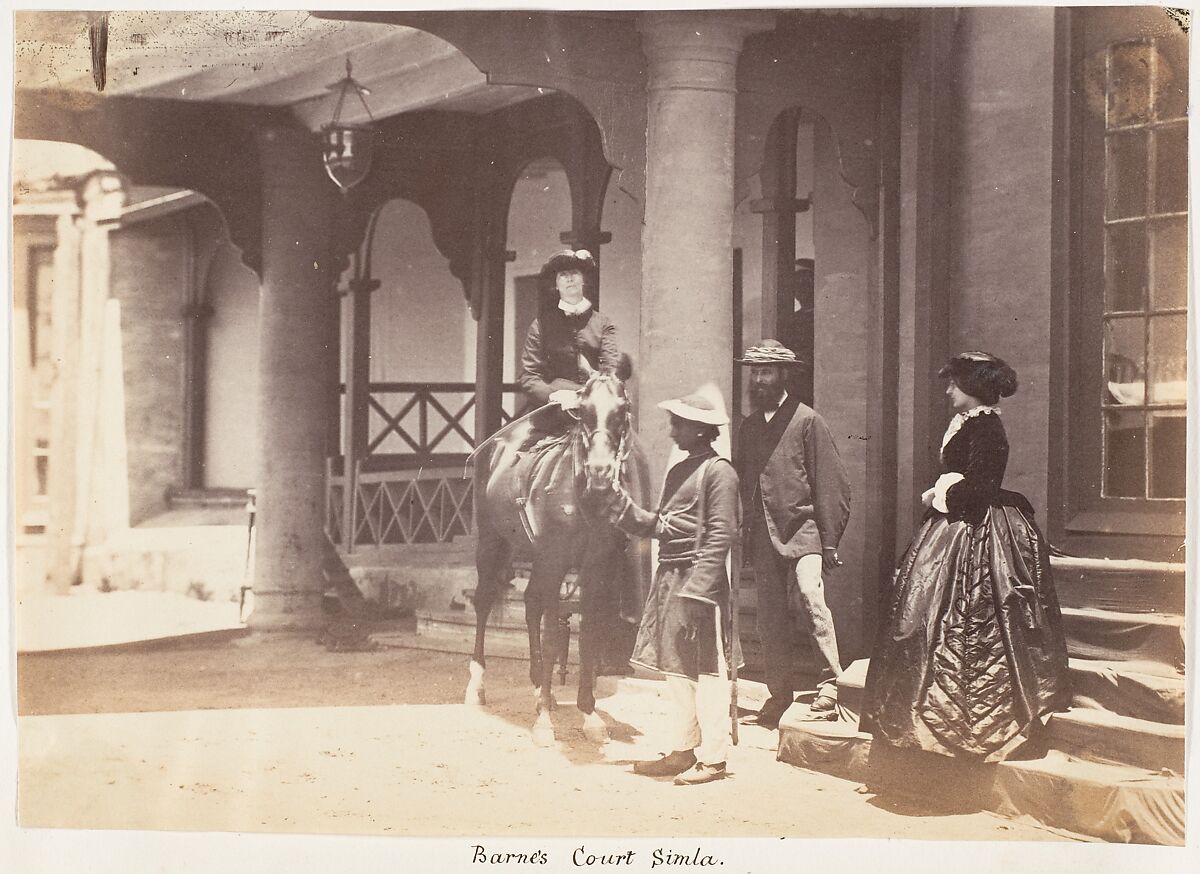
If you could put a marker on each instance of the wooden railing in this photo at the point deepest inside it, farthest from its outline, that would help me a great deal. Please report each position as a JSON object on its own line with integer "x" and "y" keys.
{"x": 396, "y": 507}
{"x": 423, "y": 420}
{"x": 408, "y": 478}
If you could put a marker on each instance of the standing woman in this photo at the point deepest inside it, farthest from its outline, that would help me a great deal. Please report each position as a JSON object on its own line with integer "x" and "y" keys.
{"x": 970, "y": 657}
{"x": 686, "y": 626}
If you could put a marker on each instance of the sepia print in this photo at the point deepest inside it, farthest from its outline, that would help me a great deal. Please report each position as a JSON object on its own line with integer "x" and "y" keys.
{"x": 609, "y": 432}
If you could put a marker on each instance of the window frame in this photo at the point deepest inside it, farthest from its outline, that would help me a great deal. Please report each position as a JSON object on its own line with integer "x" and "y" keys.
{"x": 1087, "y": 509}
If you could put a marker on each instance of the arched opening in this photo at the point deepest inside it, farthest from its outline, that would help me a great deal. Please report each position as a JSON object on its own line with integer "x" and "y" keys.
{"x": 417, "y": 340}
{"x": 135, "y": 361}
{"x": 439, "y": 298}
{"x": 538, "y": 213}
{"x": 774, "y": 229}
{"x": 406, "y": 372}
{"x": 807, "y": 258}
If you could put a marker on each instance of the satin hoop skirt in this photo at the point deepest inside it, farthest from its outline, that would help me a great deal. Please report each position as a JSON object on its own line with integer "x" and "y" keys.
{"x": 971, "y": 654}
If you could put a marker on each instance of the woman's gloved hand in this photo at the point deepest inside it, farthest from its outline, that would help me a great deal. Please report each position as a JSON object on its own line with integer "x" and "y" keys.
{"x": 565, "y": 398}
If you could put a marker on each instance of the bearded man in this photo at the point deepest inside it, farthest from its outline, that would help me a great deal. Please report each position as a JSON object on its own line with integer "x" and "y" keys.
{"x": 797, "y": 502}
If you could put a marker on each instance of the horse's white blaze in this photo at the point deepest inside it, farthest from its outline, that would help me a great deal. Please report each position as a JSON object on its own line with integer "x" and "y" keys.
{"x": 602, "y": 458}
{"x": 594, "y": 728}
{"x": 474, "y": 693}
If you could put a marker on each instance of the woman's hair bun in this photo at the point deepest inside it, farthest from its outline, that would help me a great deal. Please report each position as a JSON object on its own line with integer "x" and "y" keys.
{"x": 1006, "y": 380}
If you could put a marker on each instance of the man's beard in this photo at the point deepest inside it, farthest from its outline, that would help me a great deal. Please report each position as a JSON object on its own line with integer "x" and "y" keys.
{"x": 764, "y": 398}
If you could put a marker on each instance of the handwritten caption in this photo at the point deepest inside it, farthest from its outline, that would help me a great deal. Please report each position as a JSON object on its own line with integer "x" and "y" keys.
{"x": 581, "y": 857}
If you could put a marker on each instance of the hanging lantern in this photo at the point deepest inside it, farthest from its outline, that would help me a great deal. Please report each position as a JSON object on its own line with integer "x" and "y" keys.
{"x": 347, "y": 148}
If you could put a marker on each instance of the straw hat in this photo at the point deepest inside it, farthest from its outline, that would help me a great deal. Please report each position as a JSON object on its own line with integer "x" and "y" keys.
{"x": 770, "y": 352}
{"x": 705, "y": 405}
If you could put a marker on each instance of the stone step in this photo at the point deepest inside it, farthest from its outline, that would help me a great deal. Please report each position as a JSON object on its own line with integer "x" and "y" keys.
{"x": 1115, "y": 803}
{"x": 1130, "y": 699}
{"x": 1144, "y": 690}
{"x": 504, "y": 641}
{"x": 508, "y": 616}
{"x": 836, "y": 747}
{"x": 1118, "y": 803}
{"x": 460, "y": 550}
{"x": 1141, "y": 689}
{"x": 1102, "y": 736}
{"x": 1124, "y": 585}
{"x": 412, "y": 587}
{"x": 1109, "y": 635}
{"x": 1109, "y": 723}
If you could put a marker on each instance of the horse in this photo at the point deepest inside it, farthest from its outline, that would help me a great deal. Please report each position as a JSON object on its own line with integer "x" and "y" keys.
{"x": 562, "y": 529}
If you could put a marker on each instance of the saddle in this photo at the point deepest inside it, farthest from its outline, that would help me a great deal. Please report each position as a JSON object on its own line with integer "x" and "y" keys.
{"x": 542, "y": 472}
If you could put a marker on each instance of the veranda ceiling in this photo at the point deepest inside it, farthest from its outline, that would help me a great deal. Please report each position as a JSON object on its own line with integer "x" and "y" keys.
{"x": 265, "y": 58}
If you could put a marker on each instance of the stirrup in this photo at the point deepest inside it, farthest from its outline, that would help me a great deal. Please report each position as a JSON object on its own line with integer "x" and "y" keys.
{"x": 523, "y": 515}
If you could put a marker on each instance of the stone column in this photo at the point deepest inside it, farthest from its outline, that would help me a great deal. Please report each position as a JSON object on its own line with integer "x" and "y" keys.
{"x": 81, "y": 288}
{"x": 687, "y": 241}
{"x": 297, "y": 328}
{"x": 64, "y": 395}
{"x": 778, "y": 207}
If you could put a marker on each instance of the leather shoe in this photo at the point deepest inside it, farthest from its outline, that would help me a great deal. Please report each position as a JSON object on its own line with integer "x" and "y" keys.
{"x": 701, "y": 773}
{"x": 824, "y": 705}
{"x": 668, "y": 765}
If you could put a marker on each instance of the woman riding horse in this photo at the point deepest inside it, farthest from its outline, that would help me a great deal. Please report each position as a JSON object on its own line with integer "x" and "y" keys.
{"x": 536, "y": 500}
{"x": 567, "y": 342}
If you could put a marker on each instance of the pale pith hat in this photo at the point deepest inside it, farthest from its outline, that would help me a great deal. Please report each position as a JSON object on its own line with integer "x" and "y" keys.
{"x": 705, "y": 405}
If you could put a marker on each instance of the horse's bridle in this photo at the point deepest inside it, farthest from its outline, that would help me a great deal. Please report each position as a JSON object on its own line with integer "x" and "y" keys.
{"x": 588, "y": 437}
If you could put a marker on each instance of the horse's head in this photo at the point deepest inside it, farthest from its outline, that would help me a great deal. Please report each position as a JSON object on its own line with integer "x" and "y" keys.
{"x": 604, "y": 423}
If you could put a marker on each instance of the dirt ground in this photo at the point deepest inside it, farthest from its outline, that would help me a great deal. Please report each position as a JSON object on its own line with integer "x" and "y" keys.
{"x": 273, "y": 733}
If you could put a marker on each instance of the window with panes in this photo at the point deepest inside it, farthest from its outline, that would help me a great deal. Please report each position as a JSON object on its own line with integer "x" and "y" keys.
{"x": 1126, "y": 332}
{"x": 1144, "y": 351}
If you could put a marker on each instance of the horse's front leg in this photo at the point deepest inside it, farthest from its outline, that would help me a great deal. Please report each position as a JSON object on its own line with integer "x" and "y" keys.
{"x": 590, "y": 643}
{"x": 596, "y": 616}
{"x": 541, "y": 617}
{"x": 591, "y": 586}
{"x": 552, "y": 640}
{"x": 491, "y": 562}
{"x": 534, "y": 608}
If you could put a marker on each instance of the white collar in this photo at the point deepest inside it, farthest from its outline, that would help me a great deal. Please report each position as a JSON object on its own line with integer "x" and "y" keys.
{"x": 576, "y": 309}
{"x": 770, "y": 414}
{"x": 960, "y": 419}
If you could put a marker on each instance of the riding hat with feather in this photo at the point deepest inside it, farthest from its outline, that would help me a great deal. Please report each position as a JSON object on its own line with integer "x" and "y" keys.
{"x": 569, "y": 259}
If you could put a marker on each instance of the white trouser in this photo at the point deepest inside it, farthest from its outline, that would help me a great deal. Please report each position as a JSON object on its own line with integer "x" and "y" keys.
{"x": 700, "y": 716}
{"x": 810, "y": 609}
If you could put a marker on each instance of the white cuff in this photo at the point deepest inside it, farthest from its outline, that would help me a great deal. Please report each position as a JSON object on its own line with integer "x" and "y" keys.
{"x": 943, "y": 484}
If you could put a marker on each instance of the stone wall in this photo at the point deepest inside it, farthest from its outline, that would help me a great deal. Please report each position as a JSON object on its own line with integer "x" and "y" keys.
{"x": 150, "y": 273}
{"x": 1001, "y": 300}
{"x": 231, "y": 393}
{"x": 841, "y": 238}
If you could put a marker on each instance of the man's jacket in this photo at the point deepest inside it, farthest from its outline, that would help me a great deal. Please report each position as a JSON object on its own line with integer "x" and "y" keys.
{"x": 801, "y": 488}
